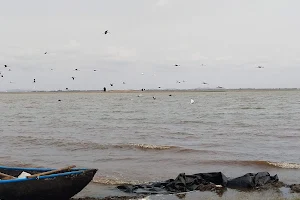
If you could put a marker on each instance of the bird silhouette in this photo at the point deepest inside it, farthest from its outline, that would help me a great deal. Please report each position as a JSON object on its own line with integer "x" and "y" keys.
{"x": 176, "y": 65}
{"x": 73, "y": 78}
{"x": 105, "y": 32}
{"x": 111, "y": 84}
{"x": 46, "y": 52}
{"x": 5, "y": 65}
{"x": 34, "y": 80}
{"x": 123, "y": 82}
{"x": 204, "y": 83}
{"x": 260, "y": 67}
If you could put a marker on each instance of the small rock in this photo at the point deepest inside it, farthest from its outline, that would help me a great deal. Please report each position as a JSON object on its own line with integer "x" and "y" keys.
{"x": 295, "y": 188}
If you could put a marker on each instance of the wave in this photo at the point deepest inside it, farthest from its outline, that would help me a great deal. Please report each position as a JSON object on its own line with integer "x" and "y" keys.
{"x": 17, "y": 163}
{"x": 85, "y": 145}
{"x": 253, "y": 108}
{"x": 262, "y": 163}
{"x": 149, "y": 146}
{"x": 285, "y": 165}
{"x": 113, "y": 181}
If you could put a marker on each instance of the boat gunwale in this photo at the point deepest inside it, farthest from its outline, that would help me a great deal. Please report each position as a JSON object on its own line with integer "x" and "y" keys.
{"x": 37, "y": 169}
{"x": 80, "y": 171}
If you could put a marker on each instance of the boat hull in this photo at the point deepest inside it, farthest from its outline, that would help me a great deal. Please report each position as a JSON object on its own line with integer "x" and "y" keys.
{"x": 61, "y": 186}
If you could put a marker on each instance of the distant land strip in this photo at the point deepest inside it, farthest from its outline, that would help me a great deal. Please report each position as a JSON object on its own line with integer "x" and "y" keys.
{"x": 153, "y": 90}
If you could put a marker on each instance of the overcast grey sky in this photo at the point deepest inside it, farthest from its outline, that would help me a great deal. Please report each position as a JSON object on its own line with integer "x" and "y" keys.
{"x": 230, "y": 38}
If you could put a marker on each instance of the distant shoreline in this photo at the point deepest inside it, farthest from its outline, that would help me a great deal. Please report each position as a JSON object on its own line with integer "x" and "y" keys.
{"x": 154, "y": 90}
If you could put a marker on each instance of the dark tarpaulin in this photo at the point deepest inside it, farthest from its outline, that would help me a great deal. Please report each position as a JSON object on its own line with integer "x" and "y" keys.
{"x": 186, "y": 183}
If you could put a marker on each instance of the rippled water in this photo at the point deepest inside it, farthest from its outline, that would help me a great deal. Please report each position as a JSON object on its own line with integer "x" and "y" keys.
{"x": 133, "y": 139}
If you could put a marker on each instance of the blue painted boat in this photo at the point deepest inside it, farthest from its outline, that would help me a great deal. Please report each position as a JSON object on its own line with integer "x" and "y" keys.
{"x": 59, "y": 186}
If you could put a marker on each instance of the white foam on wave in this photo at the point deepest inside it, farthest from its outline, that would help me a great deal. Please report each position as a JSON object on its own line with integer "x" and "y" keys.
{"x": 285, "y": 165}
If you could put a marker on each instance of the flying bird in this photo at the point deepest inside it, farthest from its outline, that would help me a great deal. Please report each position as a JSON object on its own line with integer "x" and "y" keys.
{"x": 73, "y": 78}
{"x": 46, "y": 52}
{"x": 260, "y": 67}
{"x": 111, "y": 84}
{"x": 5, "y": 65}
{"x": 154, "y": 98}
{"x": 76, "y": 69}
{"x": 95, "y": 70}
{"x": 219, "y": 87}
{"x": 124, "y": 82}
{"x": 192, "y": 101}
{"x": 204, "y": 83}
{"x": 34, "y": 80}
{"x": 105, "y": 32}
{"x": 176, "y": 65}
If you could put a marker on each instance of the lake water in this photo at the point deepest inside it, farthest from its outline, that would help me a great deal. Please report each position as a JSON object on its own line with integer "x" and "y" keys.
{"x": 133, "y": 139}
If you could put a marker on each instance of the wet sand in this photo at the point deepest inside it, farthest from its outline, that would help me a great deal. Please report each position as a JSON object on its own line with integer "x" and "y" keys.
{"x": 277, "y": 191}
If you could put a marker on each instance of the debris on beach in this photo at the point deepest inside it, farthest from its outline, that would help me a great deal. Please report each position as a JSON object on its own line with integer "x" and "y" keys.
{"x": 214, "y": 181}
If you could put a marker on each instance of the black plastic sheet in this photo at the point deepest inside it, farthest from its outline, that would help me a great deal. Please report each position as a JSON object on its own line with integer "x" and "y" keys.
{"x": 186, "y": 183}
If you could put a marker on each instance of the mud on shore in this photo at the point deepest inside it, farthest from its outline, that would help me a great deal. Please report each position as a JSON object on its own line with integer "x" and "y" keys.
{"x": 294, "y": 188}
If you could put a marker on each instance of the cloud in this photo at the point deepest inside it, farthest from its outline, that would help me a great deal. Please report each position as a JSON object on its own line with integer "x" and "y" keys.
{"x": 74, "y": 43}
{"x": 162, "y": 2}
{"x": 223, "y": 58}
{"x": 120, "y": 53}
{"x": 197, "y": 56}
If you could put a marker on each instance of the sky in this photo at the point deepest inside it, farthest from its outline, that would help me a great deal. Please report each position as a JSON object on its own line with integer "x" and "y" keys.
{"x": 214, "y": 41}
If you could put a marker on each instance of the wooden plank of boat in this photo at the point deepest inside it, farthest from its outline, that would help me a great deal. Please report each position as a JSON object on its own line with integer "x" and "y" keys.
{"x": 52, "y": 171}
{"x": 6, "y": 176}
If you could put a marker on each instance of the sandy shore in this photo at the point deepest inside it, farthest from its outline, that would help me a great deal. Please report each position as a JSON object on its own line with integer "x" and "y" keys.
{"x": 152, "y": 91}
{"x": 277, "y": 191}
{"x": 112, "y": 198}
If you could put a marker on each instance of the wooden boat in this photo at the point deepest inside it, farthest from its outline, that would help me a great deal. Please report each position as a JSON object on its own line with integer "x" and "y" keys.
{"x": 44, "y": 184}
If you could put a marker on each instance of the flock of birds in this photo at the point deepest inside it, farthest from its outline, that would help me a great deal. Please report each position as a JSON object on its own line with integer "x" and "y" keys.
{"x": 112, "y": 84}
